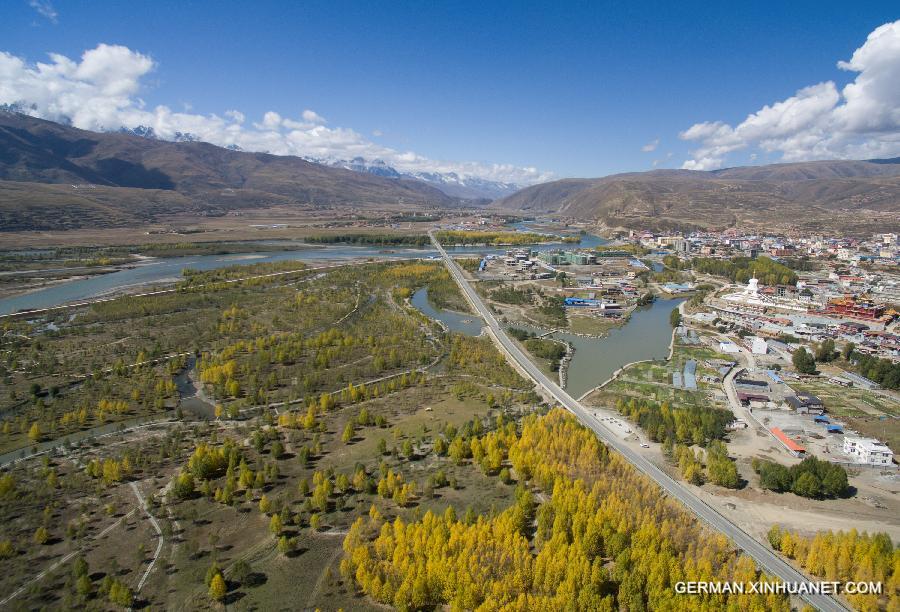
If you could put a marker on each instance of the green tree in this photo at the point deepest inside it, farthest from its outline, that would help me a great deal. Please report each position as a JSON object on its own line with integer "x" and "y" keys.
{"x": 79, "y": 567}
{"x": 41, "y": 535}
{"x": 807, "y": 485}
{"x": 835, "y": 484}
{"x": 348, "y": 434}
{"x": 277, "y": 449}
{"x": 803, "y": 361}
{"x": 217, "y": 588}
{"x": 83, "y": 585}
{"x": 675, "y": 317}
{"x": 275, "y": 524}
{"x": 285, "y": 545}
{"x": 774, "y": 536}
{"x": 242, "y": 571}
{"x": 847, "y": 353}
{"x": 723, "y": 472}
{"x": 774, "y": 476}
{"x": 183, "y": 487}
{"x": 825, "y": 351}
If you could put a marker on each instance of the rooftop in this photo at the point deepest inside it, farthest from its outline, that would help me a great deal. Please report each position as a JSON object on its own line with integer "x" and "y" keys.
{"x": 793, "y": 446}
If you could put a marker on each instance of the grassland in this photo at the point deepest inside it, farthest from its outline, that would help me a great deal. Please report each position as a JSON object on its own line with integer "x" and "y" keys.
{"x": 345, "y": 349}
{"x": 868, "y": 412}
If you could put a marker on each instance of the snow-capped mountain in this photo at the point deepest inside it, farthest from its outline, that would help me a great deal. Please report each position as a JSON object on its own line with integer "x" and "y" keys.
{"x": 454, "y": 185}
{"x": 451, "y": 183}
{"x": 358, "y": 164}
{"x": 145, "y": 131}
{"x": 466, "y": 187}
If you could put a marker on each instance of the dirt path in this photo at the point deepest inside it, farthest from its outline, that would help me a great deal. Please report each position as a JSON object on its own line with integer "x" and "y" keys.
{"x": 40, "y": 576}
{"x": 321, "y": 579}
{"x": 143, "y": 505}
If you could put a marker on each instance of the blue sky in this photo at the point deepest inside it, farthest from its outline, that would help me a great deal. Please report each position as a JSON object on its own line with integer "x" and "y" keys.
{"x": 573, "y": 90}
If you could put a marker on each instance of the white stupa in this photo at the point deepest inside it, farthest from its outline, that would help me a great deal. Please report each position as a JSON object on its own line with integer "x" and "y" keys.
{"x": 751, "y": 296}
{"x": 752, "y": 288}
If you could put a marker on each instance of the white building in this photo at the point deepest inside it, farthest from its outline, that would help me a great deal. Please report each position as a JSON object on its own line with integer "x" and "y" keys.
{"x": 868, "y": 450}
{"x": 728, "y": 347}
{"x": 759, "y": 346}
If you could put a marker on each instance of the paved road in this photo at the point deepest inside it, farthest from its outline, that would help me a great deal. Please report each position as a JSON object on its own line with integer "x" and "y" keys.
{"x": 763, "y": 556}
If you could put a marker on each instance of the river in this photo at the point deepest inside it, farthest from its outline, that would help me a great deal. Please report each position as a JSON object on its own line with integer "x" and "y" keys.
{"x": 168, "y": 270}
{"x": 646, "y": 335}
{"x": 191, "y": 401}
{"x": 464, "y": 323}
{"x": 588, "y": 241}
{"x": 163, "y": 270}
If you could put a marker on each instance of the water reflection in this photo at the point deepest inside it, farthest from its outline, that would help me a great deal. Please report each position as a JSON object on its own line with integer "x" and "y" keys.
{"x": 456, "y": 321}
{"x": 646, "y": 335}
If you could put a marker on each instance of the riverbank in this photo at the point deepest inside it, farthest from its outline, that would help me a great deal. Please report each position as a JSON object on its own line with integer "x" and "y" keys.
{"x": 465, "y": 323}
{"x": 134, "y": 275}
{"x": 589, "y": 361}
{"x": 564, "y": 365}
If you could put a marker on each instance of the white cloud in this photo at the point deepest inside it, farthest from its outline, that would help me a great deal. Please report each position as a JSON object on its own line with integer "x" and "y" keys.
{"x": 650, "y": 146}
{"x": 100, "y": 92}
{"x": 236, "y": 116}
{"x": 45, "y": 9}
{"x": 862, "y": 120}
{"x": 312, "y": 117}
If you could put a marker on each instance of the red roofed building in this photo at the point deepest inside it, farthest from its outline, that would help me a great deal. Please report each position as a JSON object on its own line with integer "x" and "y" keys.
{"x": 794, "y": 448}
{"x": 850, "y": 308}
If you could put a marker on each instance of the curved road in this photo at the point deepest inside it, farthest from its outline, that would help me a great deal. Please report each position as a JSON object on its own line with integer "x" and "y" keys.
{"x": 764, "y": 557}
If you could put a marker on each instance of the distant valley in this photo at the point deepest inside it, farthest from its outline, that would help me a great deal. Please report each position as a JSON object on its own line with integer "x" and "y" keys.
{"x": 857, "y": 196}
{"x": 55, "y": 177}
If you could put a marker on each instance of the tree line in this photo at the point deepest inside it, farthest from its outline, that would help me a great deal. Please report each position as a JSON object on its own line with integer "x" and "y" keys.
{"x": 812, "y": 477}
{"x": 604, "y": 539}
{"x": 682, "y": 424}
{"x": 415, "y": 240}
{"x": 466, "y": 237}
{"x": 883, "y": 371}
{"x": 847, "y": 556}
{"x": 741, "y": 269}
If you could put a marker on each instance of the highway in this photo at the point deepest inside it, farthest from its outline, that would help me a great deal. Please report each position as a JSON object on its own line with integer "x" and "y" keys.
{"x": 764, "y": 557}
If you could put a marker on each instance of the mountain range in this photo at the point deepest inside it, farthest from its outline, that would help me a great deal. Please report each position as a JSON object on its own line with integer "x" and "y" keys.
{"x": 451, "y": 183}
{"x": 54, "y": 176}
{"x": 851, "y": 196}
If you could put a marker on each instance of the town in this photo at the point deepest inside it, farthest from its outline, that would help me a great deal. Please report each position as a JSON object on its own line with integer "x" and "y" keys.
{"x": 824, "y": 297}
{"x": 449, "y": 307}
